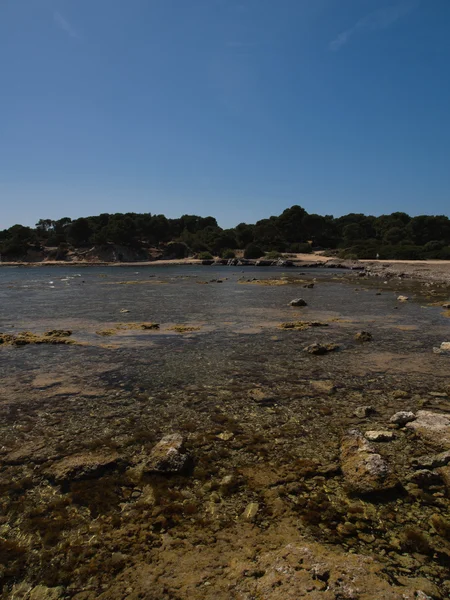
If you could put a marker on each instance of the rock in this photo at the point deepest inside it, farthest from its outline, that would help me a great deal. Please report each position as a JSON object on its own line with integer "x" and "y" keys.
{"x": 402, "y": 298}
{"x": 278, "y": 568}
{"x": 446, "y": 305}
{"x": 308, "y": 570}
{"x": 320, "y": 349}
{"x": 168, "y": 455}
{"x": 323, "y": 385}
{"x": 58, "y": 333}
{"x": 363, "y": 336}
{"x": 124, "y": 310}
{"x": 227, "y": 484}
{"x": 443, "y": 349}
{"x": 433, "y": 428}
{"x": 364, "y": 411}
{"x": 226, "y": 436}
{"x": 444, "y": 472}
{"x": 402, "y": 417}
{"x": 250, "y": 512}
{"x": 432, "y": 461}
{"x": 425, "y": 589}
{"x": 379, "y": 436}
{"x": 400, "y": 394}
{"x": 262, "y": 397}
{"x": 424, "y": 478}
{"x": 82, "y": 466}
{"x": 364, "y": 470}
{"x": 346, "y": 529}
{"x": 24, "y": 591}
{"x": 148, "y": 496}
{"x": 135, "y": 474}
{"x": 422, "y": 596}
{"x": 298, "y": 302}
{"x": 311, "y": 285}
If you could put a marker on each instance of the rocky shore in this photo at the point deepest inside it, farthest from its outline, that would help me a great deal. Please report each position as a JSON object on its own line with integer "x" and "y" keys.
{"x": 284, "y": 439}
{"x": 437, "y": 271}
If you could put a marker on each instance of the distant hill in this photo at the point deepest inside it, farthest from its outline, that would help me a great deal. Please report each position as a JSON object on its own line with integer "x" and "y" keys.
{"x": 135, "y": 236}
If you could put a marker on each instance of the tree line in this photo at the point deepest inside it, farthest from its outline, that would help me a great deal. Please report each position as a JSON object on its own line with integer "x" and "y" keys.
{"x": 394, "y": 236}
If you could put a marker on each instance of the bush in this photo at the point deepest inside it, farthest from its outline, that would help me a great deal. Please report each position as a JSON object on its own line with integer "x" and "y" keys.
{"x": 300, "y": 248}
{"x": 253, "y": 251}
{"x": 273, "y": 255}
{"x": 14, "y": 249}
{"x": 367, "y": 251}
{"x": 228, "y": 253}
{"x": 176, "y": 250}
{"x": 434, "y": 246}
{"x": 401, "y": 252}
{"x": 58, "y": 254}
{"x": 205, "y": 256}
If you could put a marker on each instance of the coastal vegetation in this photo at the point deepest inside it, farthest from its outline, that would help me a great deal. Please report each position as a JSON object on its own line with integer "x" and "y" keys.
{"x": 394, "y": 236}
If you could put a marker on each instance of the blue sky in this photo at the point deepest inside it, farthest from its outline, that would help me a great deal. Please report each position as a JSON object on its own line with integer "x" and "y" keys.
{"x": 235, "y": 108}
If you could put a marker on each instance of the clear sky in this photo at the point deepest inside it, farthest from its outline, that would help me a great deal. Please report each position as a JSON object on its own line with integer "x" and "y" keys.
{"x": 234, "y": 108}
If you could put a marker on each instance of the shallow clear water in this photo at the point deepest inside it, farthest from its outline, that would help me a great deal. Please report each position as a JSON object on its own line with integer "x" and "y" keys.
{"x": 125, "y": 390}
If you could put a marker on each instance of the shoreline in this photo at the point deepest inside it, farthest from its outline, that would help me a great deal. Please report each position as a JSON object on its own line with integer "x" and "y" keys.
{"x": 435, "y": 271}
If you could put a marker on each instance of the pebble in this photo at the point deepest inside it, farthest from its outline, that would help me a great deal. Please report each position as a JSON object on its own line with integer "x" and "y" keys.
{"x": 251, "y": 511}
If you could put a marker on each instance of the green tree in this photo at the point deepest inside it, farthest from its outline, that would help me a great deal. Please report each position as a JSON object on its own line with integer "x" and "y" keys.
{"x": 253, "y": 251}
{"x": 80, "y": 232}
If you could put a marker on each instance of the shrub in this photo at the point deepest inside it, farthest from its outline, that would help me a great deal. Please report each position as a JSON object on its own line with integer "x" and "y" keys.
{"x": 401, "y": 252}
{"x": 14, "y": 248}
{"x": 433, "y": 246}
{"x": 228, "y": 253}
{"x": 273, "y": 255}
{"x": 176, "y": 250}
{"x": 300, "y": 248}
{"x": 253, "y": 251}
{"x": 205, "y": 256}
{"x": 58, "y": 253}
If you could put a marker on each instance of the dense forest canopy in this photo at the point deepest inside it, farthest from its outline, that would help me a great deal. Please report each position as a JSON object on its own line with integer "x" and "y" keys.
{"x": 352, "y": 236}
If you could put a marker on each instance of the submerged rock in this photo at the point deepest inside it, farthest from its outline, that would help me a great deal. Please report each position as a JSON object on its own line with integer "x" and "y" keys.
{"x": 324, "y": 386}
{"x": 168, "y": 456}
{"x": 363, "y": 336}
{"x": 24, "y": 338}
{"x": 364, "y": 411}
{"x": 379, "y": 436}
{"x": 320, "y": 349}
{"x": 24, "y": 591}
{"x": 432, "y": 461}
{"x": 251, "y": 511}
{"x": 424, "y": 478}
{"x": 302, "y": 324}
{"x": 444, "y": 472}
{"x": 433, "y": 428}
{"x": 443, "y": 349}
{"x": 58, "y": 333}
{"x": 402, "y": 417}
{"x": 365, "y": 471}
{"x": 82, "y": 466}
{"x": 298, "y": 302}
